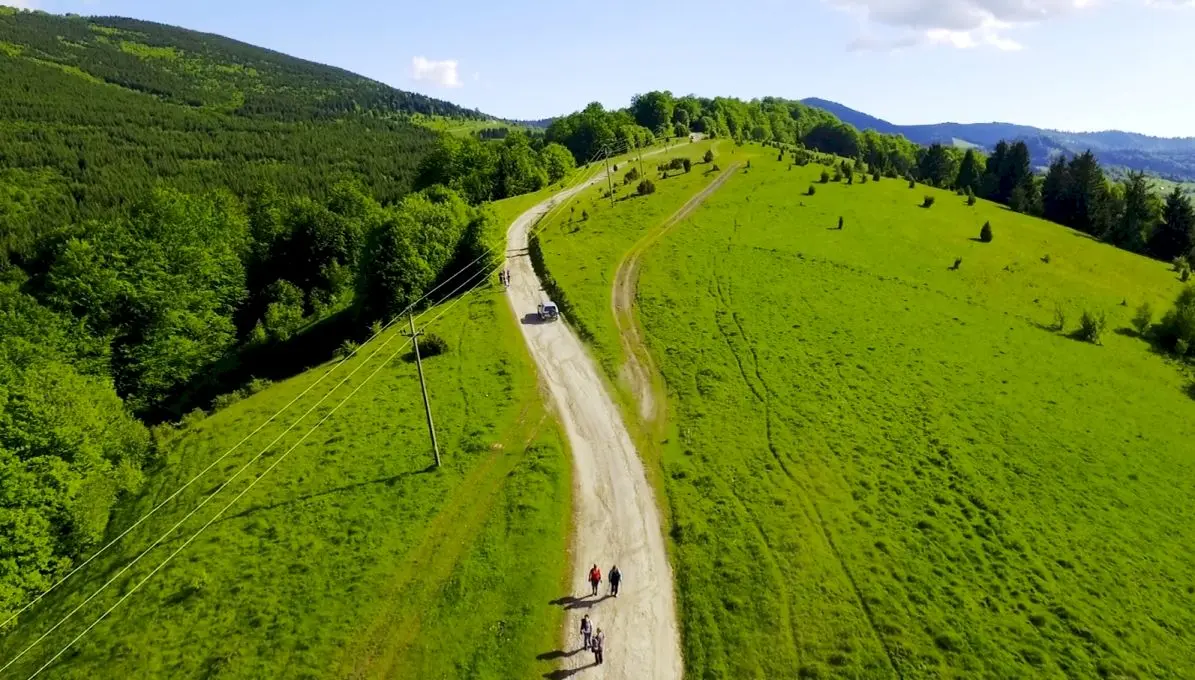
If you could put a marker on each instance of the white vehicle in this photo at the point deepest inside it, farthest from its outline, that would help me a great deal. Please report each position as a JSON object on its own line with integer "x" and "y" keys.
{"x": 548, "y": 311}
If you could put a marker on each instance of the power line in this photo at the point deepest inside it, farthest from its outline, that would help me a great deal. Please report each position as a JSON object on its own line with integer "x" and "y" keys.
{"x": 205, "y": 501}
{"x": 247, "y": 488}
{"x": 623, "y": 147}
{"x": 246, "y": 438}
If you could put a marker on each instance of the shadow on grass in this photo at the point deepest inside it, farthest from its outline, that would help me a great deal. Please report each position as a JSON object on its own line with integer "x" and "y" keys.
{"x": 388, "y": 481}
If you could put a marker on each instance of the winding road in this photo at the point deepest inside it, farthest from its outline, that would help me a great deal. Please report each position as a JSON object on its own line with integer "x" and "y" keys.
{"x": 615, "y": 515}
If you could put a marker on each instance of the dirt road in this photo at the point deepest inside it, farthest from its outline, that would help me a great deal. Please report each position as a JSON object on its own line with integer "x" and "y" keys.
{"x": 639, "y": 368}
{"x": 615, "y": 515}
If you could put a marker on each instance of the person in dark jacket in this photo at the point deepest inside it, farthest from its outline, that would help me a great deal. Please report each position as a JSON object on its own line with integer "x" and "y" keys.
{"x": 615, "y": 580}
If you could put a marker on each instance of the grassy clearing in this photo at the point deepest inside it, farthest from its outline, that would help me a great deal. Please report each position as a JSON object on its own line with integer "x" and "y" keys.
{"x": 886, "y": 467}
{"x": 880, "y": 466}
{"x": 351, "y": 558}
{"x": 583, "y": 254}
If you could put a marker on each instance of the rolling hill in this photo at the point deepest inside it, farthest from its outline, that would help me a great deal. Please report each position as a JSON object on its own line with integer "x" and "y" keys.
{"x": 1171, "y": 158}
{"x": 96, "y": 111}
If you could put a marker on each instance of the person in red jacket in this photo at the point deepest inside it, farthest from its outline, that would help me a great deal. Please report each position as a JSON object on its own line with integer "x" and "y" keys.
{"x": 595, "y": 578}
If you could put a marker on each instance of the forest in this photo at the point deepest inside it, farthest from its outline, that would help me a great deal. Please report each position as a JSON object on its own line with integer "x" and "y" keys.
{"x": 181, "y": 214}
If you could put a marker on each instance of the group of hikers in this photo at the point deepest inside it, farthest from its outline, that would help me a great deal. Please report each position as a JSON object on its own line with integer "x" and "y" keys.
{"x": 504, "y": 277}
{"x": 596, "y": 641}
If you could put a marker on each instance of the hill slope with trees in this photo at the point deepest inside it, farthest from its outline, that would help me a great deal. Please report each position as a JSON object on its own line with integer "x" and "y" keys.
{"x": 1172, "y": 158}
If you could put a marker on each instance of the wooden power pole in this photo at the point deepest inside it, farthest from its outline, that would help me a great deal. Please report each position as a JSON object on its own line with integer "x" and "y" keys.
{"x": 427, "y": 405}
{"x": 609, "y": 181}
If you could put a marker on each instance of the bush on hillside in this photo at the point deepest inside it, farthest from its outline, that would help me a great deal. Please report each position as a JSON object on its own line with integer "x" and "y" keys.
{"x": 837, "y": 175}
{"x": 1178, "y": 325}
{"x": 346, "y": 349}
{"x": 709, "y": 156}
{"x": 584, "y": 215}
{"x": 688, "y": 164}
{"x": 985, "y": 234}
{"x": 927, "y": 202}
{"x": 1091, "y": 326}
{"x": 630, "y": 176}
{"x": 431, "y": 345}
{"x": 970, "y": 196}
{"x": 875, "y": 176}
{"x": 825, "y": 179}
{"x": 676, "y": 164}
{"x": 811, "y": 191}
{"x": 1059, "y": 317}
{"x": 647, "y": 187}
{"x": 912, "y": 182}
{"x": 1143, "y": 318}
{"x": 863, "y": 178}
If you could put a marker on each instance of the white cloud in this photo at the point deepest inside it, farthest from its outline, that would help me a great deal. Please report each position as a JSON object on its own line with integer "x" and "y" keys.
{"x": 962, "y": 24}
{"x": 440, "y": 73}
{"x": 20, "y": 4}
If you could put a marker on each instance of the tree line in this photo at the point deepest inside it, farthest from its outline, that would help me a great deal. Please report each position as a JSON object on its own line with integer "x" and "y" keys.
{"x": 118, "y": 321}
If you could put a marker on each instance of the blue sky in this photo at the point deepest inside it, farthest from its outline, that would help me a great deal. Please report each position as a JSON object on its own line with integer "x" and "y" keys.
{"x": 1068, "y": 64}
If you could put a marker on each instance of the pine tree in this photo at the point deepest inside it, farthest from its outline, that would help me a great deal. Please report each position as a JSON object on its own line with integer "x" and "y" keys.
{"x": 1139, "y": 216}
{"x": 1176, "y": 231}
{"x": 969, "y": 172}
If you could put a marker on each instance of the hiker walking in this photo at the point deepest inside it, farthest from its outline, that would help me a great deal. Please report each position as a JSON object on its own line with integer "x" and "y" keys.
{"x": 595, "y": 578}
{"x": 598, "y": 646}
{"x": 615, "y": 580}
{"x": 586, "y": 632}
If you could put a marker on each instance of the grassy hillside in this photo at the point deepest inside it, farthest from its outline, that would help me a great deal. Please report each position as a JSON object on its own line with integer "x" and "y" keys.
{"x": 352, "y": 558}
{"x": 877, "y": 466}
{"x": 97, "y": 110}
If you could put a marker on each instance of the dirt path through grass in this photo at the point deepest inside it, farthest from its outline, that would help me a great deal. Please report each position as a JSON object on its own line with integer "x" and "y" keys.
{"x": 616, "y": 518}
{"x": 639, "y": 370}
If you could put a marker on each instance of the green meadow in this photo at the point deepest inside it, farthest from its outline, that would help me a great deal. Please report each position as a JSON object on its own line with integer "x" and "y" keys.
{"x": 352, "y": 558}
{"x": 878, "y": 464}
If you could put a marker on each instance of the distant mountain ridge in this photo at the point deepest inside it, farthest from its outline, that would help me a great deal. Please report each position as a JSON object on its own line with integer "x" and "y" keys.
{"x": 1172, "y": 158}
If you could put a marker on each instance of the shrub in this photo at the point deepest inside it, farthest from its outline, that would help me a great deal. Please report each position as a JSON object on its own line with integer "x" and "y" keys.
{"x": 616, "y": 167}
{"x": 1059, "y": 318}
{"x": 748, "y": 163}
{"x": 346, "y": 349}
{"x": 875, "y": 176}
{"x": 1181, "y": 348}
{"x": 647, "y": 187}
{"x": 811, "y": 191}
{"x": 781, "y": 156}
{"x": 1181, "y": 262}
{"x": 715, "y": 167}
{"x": 431, "y": 345}
{"x": 1046, "y": 258}
{"x": 825, "y": 177}
{"x": 863, "y": 178}
{"x": 927, "y": 202}
{"x": 688, "y": 164}
{"x": 985, "y": 234}
{"x": 256, "y": 385}
{"x": 837, "y": 175}
{"x": 631, "y": 176}
{"x": 850, "y": 179}
{"x": 227, "y": 399}
{"x": 970, "y": 196}
{"x": 912, "y": 183}
{"x": 584, "y": 215}
{"x": 1143, "y": 318}
{"x": 1178, "y": 325}
{"x": 1091, "y": 326}
{"x": 676, "y": 164}
{"x": 709, "y": 156}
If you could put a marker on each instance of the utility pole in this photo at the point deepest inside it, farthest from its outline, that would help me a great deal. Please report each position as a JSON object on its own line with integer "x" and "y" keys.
{"x": 427, "y": 405}
{"x": 609, "y": 181}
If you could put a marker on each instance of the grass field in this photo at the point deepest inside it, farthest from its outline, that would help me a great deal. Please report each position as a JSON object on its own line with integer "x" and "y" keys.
{"x": 352, "y": 558}
{"x": 588, "y": 250}
{"x": 877, "y": 466}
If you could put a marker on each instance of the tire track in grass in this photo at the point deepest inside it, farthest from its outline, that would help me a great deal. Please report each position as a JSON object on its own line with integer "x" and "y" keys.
{"x": 807, "y": 495}
{"x": 639, "y": 368}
